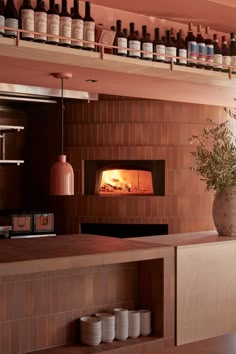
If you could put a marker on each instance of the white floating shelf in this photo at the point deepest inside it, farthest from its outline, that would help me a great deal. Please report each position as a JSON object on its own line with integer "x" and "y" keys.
{"x": 12, "y": 162}
{"x": 6, "y": 128}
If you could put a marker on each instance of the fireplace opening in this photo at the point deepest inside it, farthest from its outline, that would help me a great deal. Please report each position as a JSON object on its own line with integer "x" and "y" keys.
{"x": 126, "y": 181}
{"x": 124, "y": 177}
{"x": 124, "y": 230}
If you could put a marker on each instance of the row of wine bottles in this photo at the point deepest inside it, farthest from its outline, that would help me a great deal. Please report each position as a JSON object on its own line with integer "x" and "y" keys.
{"x": 49, "y": 24}
{"x": 193, "y": 50}
{"x": 199, "y": 51}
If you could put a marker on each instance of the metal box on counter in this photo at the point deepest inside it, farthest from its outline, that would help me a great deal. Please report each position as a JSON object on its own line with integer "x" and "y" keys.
{"x": 43, "y": 223}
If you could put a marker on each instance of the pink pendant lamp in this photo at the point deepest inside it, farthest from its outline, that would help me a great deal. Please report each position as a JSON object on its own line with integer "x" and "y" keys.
{"x": 62, "y": 174}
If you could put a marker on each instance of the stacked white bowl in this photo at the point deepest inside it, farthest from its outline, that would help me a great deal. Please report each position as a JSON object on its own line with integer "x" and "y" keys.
{"x": 108, "y": 326}
{"x": 134, "y": 324}
{"x": 121, "y": 323}
{"x": 90, "y": 330}
{"x": 145, "y": 322}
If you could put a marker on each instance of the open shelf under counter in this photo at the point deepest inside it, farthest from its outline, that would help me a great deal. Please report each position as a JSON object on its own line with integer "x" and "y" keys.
{"x": 146, "y": 342}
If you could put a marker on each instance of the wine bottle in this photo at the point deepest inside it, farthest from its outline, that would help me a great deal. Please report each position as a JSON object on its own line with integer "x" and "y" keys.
{"x": 146, "y": 44}
{"x": 133, "y": 43}
{"x": 209, "y": 50}
{"x": 181, "y": 49}
{"x": 120, "y": 40}
{"x": 172, "y": 35}
{"x": 201, "y": 49}
{"x": 53, "y": 23}
{"x": 218, "y": 59}
{"x": 40, "y": 22}
{"x": 77, "y": 26}
{"x": 170, "y": 49}
{"x": 191, "y": 45}
{"x": 159, "y": 47}
{"x": 11, "y": 19}
{"x": 65, "y": 25}
{"x": 232, "y": 50}
{"x": 225, "y": 53}
{"x": 125, "y": 31}
{"x": 27, "y": 20}
{"x": 2, "y": 17}
{"x": 89, "y": 28}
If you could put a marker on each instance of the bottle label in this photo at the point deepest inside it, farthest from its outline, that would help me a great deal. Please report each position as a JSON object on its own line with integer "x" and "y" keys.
{"x": 218, "y": 60}
{"x": 233, "y": 60}
{"x": 209, "y": 54}
{"x": 192, "y": 50}
{"x": 134, "y": 45}
{"x": 122, "y": 42}
{"x": 183, "y": 55}
{"x": 89, "y": 34}
{"x": 201, "y": 52}
{"x": 2, "y": 23}
{"x": 77, "y": 32}
{"x": 40, "y": 24}
{"x": 12, "y": 23}
{"x": 53, "y": 27}
{"x": 65, "y": 29}
{"x": 148, "y": 47}
{"x": 226, "y": 60}
{"x": 27, "y": 22}
{"x": 161, "y": 52}
{"x": 170, "y": 51}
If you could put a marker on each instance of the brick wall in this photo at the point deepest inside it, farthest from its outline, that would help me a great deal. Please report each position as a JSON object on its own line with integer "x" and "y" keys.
{"x": 123, "y": 129}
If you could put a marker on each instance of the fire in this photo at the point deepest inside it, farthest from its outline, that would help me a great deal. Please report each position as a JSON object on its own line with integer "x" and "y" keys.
{"x": 126, "y": 181}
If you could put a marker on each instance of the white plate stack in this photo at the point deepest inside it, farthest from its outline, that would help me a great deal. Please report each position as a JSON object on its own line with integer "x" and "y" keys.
{"x": 134, "y": 324}
{"x": 121, "y": 323}
{"x": 145, "y": 322}
{"x": 108, "y": 326}
{"x": 90, "y": 330}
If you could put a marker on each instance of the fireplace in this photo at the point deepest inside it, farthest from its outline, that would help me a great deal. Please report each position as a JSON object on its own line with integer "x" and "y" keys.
{"x": 122, "y": 177}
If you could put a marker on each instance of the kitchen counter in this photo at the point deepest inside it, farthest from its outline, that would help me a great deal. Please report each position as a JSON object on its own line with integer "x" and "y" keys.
{"x": 71, "y": 251}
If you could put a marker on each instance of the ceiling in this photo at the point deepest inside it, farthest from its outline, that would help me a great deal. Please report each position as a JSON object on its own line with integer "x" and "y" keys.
{"x": 220, "y": 15}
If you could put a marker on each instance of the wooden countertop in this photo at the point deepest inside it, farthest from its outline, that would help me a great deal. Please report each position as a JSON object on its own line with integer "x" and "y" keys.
{"x": 71, "y": 251}
{"x": 218, "y": 345}
{"x": 185, "y": 239}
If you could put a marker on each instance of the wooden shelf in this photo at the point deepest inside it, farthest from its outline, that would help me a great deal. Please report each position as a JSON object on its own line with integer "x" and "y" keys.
{"x": 101, "y": 348}
{"x": 107, "y": 62}
{"x": 7, "y": 128}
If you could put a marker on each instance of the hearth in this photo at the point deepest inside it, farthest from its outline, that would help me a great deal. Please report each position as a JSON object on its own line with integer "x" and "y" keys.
{"x": 125, "y": 230}
{"x": 124, "y": 177}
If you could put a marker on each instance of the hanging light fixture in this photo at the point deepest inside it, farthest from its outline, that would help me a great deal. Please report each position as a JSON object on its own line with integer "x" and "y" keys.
{"x": 62, "y": 174}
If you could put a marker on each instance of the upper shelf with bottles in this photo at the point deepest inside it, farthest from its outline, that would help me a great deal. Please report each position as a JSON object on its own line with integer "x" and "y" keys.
{"x": 165, "y": 57}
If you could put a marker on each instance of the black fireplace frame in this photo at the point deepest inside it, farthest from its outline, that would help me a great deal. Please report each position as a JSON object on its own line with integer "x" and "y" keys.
{"x": 93, "y": 171}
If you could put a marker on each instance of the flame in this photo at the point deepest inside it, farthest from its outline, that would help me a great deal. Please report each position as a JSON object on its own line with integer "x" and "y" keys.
{"x": 115, "y": 179}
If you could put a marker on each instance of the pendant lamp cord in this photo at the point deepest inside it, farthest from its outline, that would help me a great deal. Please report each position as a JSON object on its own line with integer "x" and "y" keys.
{"x": 62, "y": 116}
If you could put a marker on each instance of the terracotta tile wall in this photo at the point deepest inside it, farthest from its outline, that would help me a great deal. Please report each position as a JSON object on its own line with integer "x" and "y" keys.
{"x": 40, "y": 310}
{"x": 125, "y": 129}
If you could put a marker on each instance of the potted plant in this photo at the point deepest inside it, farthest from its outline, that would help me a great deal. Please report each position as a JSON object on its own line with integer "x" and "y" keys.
{"x": 215, "y": 162}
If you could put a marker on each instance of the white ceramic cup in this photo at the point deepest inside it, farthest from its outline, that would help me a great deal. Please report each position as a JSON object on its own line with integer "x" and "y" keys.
{"x": 134, "y": 324}
{"x": 121, "y": 323}
{"x": 145, "y": 322}
{"x": 108, "y": 326}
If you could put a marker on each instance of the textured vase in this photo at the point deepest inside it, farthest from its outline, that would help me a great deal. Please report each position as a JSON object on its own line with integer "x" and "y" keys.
{"x": 224, "y": 212}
